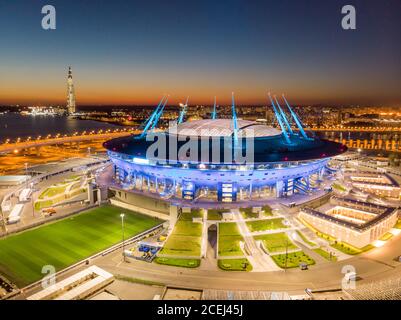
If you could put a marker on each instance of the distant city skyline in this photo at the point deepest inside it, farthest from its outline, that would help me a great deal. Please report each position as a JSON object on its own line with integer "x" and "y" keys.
{"x": 134, "y": 52}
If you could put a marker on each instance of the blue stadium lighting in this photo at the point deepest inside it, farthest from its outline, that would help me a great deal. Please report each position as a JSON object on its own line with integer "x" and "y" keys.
{"x": 214, "y": 113}
{"x": 297, "y": 121}
{"x": 284, "y": 117}
{"x": 280, "y": 167}
{"x": 280, "y": 121}
{"x": 183, "y": 112}
{"x": 156, "y": 121}
{"x": 140, "y": 160}
{"x": 149, "y": 122}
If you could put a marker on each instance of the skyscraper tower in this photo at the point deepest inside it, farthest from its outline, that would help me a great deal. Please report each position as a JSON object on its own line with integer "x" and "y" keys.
{"x": 71, "y": 107}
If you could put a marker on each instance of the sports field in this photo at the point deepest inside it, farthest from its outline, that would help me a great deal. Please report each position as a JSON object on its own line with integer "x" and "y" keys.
{"x": 66, "y": 242}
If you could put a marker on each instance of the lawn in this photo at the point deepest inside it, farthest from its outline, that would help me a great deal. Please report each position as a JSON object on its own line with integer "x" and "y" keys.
{"x": 215, "y": 214}
{"x": 325, "y": 254}
{"x": 263, "y": 225}
{"x": 268, "y": 211}
{"x": 182, "y": 245}
{"x": 294, "y": 259}
{"x": 305, "y": 239}
{"x": 188, "y": 216}
{"x": 186, "y": 263}
{"x": 229, "y": 240}
{"x": 234, "y": 264}
{"x": 386, "y": 236}
{"x": 339, "y": 187}
{"x": 52, "y": 191}
{"x": 66, "y": 242}
{"x": 248, "y": 213}
{"x": 349, "y": 249}
{"x": 276, "y": 242}
{"x": 185, "y": 239}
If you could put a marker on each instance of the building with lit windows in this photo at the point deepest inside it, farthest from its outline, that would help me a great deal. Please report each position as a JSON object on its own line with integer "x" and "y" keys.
{"x": 355, "y": 222}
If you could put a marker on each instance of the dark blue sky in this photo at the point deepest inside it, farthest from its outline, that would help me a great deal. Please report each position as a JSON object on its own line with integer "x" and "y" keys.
{"x": 134, "y": 51}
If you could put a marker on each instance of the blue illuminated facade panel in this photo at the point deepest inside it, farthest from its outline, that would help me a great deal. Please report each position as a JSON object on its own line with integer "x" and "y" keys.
{"x": 187, "y": 182}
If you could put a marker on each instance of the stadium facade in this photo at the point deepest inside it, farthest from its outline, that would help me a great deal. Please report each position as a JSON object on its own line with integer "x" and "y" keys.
{"x": 224, "y": 160}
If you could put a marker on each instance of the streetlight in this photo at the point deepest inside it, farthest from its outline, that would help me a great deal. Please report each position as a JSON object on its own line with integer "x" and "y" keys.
{"x": 26, "y": 173}
{"x": 122, "y": 215}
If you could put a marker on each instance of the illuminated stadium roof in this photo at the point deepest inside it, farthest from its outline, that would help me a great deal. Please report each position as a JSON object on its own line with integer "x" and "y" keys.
{"x": 208, "y": 138}
{"x": 223, "y": 128}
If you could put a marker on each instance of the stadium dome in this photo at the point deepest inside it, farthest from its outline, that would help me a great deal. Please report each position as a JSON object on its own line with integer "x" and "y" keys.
{"x": 222, "y": 159}
{"x": 223, "y": 128}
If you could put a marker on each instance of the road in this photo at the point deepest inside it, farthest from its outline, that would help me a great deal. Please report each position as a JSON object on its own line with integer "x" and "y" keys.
{"x": 13, "y": 147}
{"x": 374, "y": 265}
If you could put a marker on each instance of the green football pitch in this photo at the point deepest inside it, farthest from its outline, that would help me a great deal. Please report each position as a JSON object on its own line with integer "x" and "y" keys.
{"x": 63, "y": 243}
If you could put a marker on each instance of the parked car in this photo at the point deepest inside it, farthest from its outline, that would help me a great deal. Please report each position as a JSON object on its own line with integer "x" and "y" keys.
{"x": 48, "y": 212}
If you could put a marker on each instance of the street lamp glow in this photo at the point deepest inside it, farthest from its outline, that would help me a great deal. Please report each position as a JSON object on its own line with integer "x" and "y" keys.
{"x": 122, "y": 215}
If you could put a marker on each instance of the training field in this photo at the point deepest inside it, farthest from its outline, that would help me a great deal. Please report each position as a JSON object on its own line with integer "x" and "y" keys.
{"x": 67, "y": 241}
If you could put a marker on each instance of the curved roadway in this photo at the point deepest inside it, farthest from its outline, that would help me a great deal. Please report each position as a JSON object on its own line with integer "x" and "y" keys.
{"x": 376, "y": 265}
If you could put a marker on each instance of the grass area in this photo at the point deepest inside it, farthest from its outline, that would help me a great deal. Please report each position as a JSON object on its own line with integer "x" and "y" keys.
{"x": 187, "y": 228}
{"x": 276, "y": 242}
{"x": 325, "y": 254}
{"x": 182, "y": 246}
{"x": 398, "y": 224}
{"x": 248, "y": 213}
{"x": 349, "y": 249}
{"x": 185, "y": 239}
{"x": 229, "y": 240}
{"x": 386, "y": 236}
{"x": 234, "y": 265}
{"x": 340, "y": 246}
{"x": 186, "y": 263}
{"x": 188, "y": 216}
{"x": 268, "y": 211}
{"x": 263, "y": 225}
{"x": 294, "y": 259}
{"x": 215, "y": 214}
{"x": 43, "y": 204}
{"x": 57, "y": 193}
{"x": 304, "y": 239}
{"x": 66, "y": 242}
{"x": 52, "y": 191}
{"x": 339, "y": 187}
{"x": 73, "y": 178}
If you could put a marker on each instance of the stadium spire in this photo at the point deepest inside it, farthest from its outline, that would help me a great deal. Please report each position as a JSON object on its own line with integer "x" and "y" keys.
{"x": 71, "y": 104}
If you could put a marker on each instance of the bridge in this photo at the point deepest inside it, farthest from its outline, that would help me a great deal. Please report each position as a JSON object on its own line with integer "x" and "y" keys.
{"x": 357, "y": 129}
{"x": 20, "y": 144}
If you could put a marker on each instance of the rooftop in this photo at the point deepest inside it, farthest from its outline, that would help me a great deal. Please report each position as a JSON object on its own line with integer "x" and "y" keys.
{"x": 223, "y": 128}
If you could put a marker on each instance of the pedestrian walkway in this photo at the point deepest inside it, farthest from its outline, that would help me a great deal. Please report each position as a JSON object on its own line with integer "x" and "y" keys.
{"x": 260, "y": 261}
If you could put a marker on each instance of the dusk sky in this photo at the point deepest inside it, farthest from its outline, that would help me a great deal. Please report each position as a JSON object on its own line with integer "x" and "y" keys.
{"x": 132, "y": 52}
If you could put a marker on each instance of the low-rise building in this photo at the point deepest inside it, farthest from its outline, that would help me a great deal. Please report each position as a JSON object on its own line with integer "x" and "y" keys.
{"x": 354, "y": 222}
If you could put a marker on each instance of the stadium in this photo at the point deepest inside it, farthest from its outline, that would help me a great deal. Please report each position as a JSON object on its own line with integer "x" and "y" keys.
{"x": 224, "y": 160}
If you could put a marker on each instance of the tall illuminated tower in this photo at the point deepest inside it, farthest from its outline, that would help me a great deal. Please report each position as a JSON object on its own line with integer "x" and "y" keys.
{"x": 71, "y": 106}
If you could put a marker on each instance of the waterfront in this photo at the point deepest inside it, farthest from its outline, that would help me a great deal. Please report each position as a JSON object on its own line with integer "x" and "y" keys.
{"x": 14, "y": 125}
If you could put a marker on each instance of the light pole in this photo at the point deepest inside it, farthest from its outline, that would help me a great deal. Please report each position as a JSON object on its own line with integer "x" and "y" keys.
{"x": 26, "y": 173}
{"x": 122, "y": 215}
